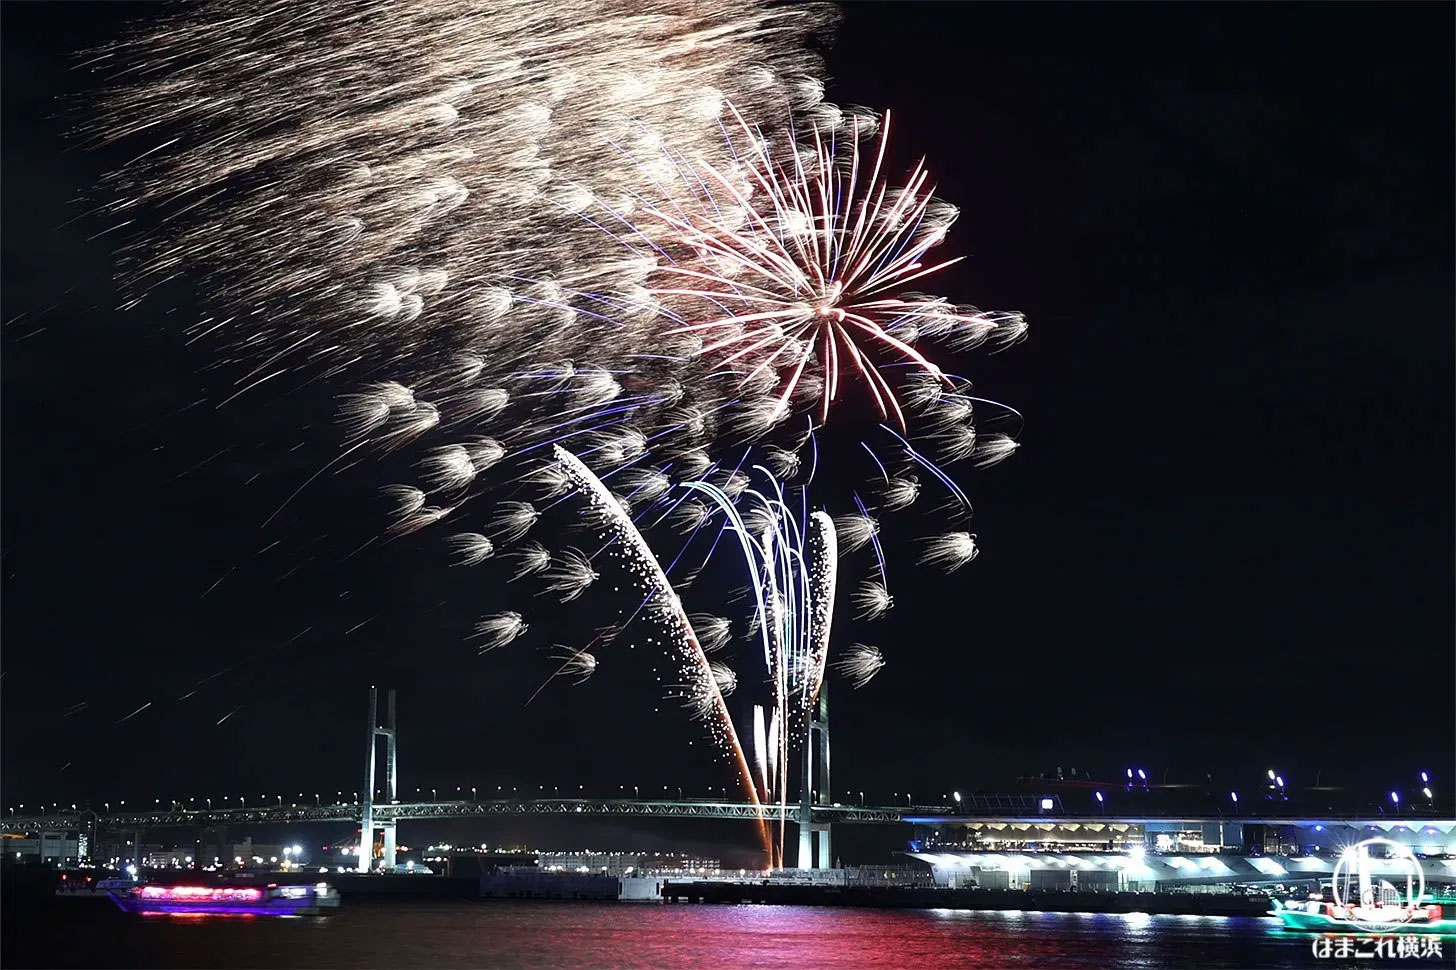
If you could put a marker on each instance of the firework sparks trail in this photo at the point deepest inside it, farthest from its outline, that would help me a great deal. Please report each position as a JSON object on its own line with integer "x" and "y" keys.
{"x": 694, "y": 666}
{"x": 950, "y": 551}
{"x": 793, "y": 571}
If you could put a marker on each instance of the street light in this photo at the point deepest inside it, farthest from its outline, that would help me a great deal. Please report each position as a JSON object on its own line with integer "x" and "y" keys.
{"x": 957, "y": 797}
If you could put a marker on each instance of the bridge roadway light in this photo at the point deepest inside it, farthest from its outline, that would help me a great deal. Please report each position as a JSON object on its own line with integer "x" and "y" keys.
{"x": 957, "y": 797}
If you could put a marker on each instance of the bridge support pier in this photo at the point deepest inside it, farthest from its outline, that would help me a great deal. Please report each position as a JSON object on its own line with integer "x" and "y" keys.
{"x": 391, "y": 756}
{"x": 389, "y": 859}
{"x": 815, "y": 782}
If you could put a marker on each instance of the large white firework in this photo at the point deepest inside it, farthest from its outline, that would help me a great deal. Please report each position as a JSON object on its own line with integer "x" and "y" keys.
{"x": 633, "y": 228}
{"x": 616, "y": 246}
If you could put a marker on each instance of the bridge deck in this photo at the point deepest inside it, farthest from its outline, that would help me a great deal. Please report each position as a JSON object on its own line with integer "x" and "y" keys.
{"x": 1011, "y": 809}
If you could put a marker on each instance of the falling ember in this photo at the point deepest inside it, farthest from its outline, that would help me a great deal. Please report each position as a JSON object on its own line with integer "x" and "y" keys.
{"x": 530, "y": 558}
{"x": 901, "y": 492}
{"x": 471, "y": 548}
{"x": 860, "y": 663}
{"x": 856, "y": 530}
{"x": 714, "y": 632}
{"x": 950, "y": 551}
{"x": 570, "y": 575}
{"x": 872, "y": 600}
{"x": 576, "y": 664}
{"x": 499, "y": 630}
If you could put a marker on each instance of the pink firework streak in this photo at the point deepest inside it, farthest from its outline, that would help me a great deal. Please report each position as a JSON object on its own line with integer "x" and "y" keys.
{"x": 804, "y": 260}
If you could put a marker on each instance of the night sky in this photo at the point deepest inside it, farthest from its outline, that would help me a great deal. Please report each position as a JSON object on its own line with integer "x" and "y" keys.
{"x": 1225, "y": 544}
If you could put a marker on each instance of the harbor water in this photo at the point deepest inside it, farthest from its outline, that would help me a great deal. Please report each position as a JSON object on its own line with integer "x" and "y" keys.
{"x": 541, "y": 934}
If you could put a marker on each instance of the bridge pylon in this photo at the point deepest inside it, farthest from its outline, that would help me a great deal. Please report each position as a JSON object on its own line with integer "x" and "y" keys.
{"x": 391, "y": 763}
{"x": 815, "y": 780}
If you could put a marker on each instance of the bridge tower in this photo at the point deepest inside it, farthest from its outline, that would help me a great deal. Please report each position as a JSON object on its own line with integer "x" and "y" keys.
{"x": 815, "y": 781}
{"x": 391, "y": 768}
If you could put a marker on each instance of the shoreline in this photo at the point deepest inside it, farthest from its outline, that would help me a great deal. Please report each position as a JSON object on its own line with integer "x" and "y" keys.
{"x": 1031, "y": 900}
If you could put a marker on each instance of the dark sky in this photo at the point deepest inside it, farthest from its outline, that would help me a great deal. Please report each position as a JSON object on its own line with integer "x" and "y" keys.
{"x": 1225, "y": 544}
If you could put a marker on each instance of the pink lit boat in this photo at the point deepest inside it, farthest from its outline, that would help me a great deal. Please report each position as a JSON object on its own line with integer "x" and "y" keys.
{"x": 271, "y": 900}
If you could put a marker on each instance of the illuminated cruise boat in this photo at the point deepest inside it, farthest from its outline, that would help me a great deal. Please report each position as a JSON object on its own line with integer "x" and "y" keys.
{"x": 270, "y": 900}
{"x": 1325, "y": 916}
